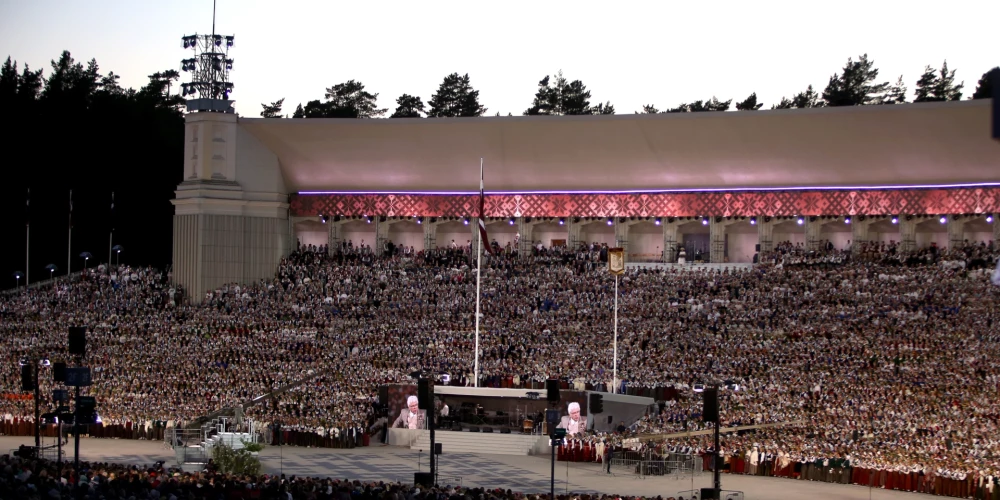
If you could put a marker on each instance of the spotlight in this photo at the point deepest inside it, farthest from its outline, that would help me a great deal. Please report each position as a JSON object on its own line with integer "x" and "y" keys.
{"x": 895, "y": 220}
{"x": 704, "y": 221}
{"x": 800, "y": 221}
{"x": 989, "y": 219}
{"x": 420, "y": 220}
{"x": 465, "y": 221}
{"x": 369, "y": 220}
{"x": 610, "y": 221}
{"x": 753, "y": 221}
{"x": 229, "y": 40}
{"x": 657, "y": 221}
{"x": 943, "y": 219}
{"x": 562, "y": 221}
{"x": 847, "y": 220}
{"x": 511, "y": 221}
{"x": 324, "y": 218}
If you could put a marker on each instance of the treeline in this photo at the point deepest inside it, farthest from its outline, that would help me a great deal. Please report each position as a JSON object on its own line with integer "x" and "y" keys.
{"x": 856, "y": 84}
{"x": 73, "y": 127}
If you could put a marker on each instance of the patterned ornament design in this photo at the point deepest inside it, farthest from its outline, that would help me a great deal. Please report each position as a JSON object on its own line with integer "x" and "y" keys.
{"x": 727, "y": 204}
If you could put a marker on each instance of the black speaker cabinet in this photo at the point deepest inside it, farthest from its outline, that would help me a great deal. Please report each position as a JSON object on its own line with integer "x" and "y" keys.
{"x": 488, "y": 429}
{"x": 77, "y": 341}
{"x": 27, "y": 378}
{"x": 425, "y": 479}
{"x": 552, "y": 390}
{"x": 709, "y": 494}
{"x": 59, "y": 371}
{"x": 425, "y": 394}
{"x": 711, "y": 404}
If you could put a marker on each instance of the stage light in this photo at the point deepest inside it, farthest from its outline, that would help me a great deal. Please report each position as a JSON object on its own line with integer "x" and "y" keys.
{"x": 369, "y": 219}
{"x": 704, "y": 221}
{"x": 895, "y": 220}
{"x": 511, "y": 221}
{"x": 657, "y": 221}
{"x": 610, "y": 221}
{"x": 800, "y": 221}
{"x": 943, "y": 219}
{"x": 753, "y": 221}
{"x": 324, "y": 218}
{"x": 465, "y": 221}
{"x": 420, "y": 220}
{"x": 989, "y": 219}
{"x": 562, "y": 221}
{"x": 847, "y": 220}
{"x": 230, "y": 40}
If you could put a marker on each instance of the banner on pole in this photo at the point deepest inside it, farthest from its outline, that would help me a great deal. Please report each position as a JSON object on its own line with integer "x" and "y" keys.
{"x": 616, "y": 261}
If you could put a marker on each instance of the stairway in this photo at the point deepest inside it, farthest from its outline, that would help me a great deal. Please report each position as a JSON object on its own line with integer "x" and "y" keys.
{"x": 479, "y": 442}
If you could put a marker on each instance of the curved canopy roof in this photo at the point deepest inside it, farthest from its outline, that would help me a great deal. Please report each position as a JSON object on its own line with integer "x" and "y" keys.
{"x": 898, "y": 145}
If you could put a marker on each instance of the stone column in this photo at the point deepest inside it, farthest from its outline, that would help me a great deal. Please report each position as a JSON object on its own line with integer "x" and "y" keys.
{"x": 996, "y": 233}
{"x": 814, "y": 227}
{"x": 956, "y": 232}
{"x": 430, "y": 235}
{"x": 670, "y": 243}
{"x": 765, "y": 234}
{"x": 716, "y": 241}
{"x": 907, "y": 234}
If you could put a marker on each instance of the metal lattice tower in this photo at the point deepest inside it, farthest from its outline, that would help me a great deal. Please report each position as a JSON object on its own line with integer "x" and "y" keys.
{"x": 210, "y": 66}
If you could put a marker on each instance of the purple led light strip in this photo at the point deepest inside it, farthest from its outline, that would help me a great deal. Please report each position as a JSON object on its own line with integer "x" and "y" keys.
{"x": 663, "y": 191}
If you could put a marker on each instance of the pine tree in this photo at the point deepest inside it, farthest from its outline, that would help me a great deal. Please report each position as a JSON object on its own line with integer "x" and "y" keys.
{"x": 272, "y": 110}
{"x": 984, "y": 88}
{"x": 558, "y": 96}
{"x": 749, "y": 104}
{"x": 408, "y": 106}
{"x": 857, "y": 86}
{"x": 455, "y": 97}
{"x": 938, "y": 85}
{"x": 350, "y": 100}
{"x": 896, "y": 93}
{"x": 649, "y": 109}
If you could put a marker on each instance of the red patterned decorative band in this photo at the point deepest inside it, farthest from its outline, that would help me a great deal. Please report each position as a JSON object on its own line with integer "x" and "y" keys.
{"x": 736, "y": 203}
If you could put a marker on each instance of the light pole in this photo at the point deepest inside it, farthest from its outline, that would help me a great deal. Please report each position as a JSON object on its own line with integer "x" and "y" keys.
{"x": 51, "y": 268}
{"x": 86, "y": 257}
{"x": 118, "y": 251}
{"x": 616, "y": 265}
{"x": 17, "y": 277}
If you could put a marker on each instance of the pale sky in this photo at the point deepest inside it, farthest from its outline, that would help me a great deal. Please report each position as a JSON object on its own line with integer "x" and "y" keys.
{"x": 629, "y": 52}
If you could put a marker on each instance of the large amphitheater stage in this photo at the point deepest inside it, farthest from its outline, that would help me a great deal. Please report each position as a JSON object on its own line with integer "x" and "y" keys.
{"x": 519, "y": 473}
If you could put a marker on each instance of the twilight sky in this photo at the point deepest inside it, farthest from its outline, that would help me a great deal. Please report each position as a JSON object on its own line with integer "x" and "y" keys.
{"x": 629, "y": 52}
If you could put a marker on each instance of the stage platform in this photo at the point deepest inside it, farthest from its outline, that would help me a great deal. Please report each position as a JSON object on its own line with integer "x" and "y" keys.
{"x": 471, "y": 442}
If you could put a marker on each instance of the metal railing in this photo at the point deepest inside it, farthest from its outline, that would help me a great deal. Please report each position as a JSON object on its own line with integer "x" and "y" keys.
{"x": 644, "y": 464}
{"x": 723, "y": 494}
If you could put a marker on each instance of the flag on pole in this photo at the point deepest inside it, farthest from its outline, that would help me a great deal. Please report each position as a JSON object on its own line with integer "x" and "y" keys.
{"x": 482, "y": 214}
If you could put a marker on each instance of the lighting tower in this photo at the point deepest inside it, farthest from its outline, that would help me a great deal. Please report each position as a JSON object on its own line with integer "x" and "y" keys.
{"x": 210, "y": 65}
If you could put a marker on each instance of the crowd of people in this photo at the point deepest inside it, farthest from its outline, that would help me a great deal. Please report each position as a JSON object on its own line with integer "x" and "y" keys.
{"x": 886, "y": 361}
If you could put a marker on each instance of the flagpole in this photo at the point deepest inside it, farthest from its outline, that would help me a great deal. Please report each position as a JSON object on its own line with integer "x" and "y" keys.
{"x": 69, "y": 242}
{"x": 111, "y": 234}
{"x": 614, "y": 376}
{"x": 27, "y": 241}
{"x": 479, "y": 266}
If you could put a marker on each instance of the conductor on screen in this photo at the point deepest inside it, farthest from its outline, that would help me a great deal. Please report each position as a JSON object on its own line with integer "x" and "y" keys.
{"x": 410, "y": 417}
{"x": 574, "y": 423}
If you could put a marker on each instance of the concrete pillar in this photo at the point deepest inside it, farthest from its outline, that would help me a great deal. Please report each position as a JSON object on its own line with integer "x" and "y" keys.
{"x": 334, "y": 236}
{"x": 526, "y": 230}
{"x": 381, "y": 235}
{"x": 996, "y": 233}
{"x": 716, "y": 241}
{"x": 765, "y": 234}
{"x": 670, "y": 243}
{"x": 621, "y": 236}
{"x": 907, "y": 234}
{"x": 859, "y": 233}
{"x": 430, "y": 235}
{"x": 956, "y": 232}
{"x": 573, "y": 229}
{"x": 814, "y": 226}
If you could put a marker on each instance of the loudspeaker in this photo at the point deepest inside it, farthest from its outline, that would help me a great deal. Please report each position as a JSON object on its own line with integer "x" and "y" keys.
{"x": 552, "y": 416}
{"x": 596, "y": 404}
{"x": 505, "y": 430}
{"x": 27, "y": 378}
{"x": 456, "y": 426}
{"x": 610, "y": 419}
{"x": 488, "y": 429}
{"x": 59, "y": 371}
{"x": 709, "y": 494}
{"x": 437, "y": 448}
{"x": 710, "y": 413}
{"x": 756, "y": 248}
{"x": 425, "y": 394}
{"x": 552, "y": 390}
{"x": 77, "y": 341}
{"x": 425, "y": 479}
{"x": 383, "y": 395}
{"x": 473, "y": 428}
